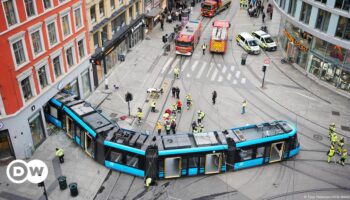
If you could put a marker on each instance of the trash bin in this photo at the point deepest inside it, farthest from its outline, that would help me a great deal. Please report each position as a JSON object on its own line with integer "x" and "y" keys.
{"x": 62, "y": 182}
{"x": 73, "y": 189}
{"x": 244, "y": 58}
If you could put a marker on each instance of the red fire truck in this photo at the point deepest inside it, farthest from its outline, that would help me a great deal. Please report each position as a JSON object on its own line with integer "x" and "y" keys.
{"x": 212, "y": 7}
{"x": 219, "y": 35}
{"x": 188, "y": 38}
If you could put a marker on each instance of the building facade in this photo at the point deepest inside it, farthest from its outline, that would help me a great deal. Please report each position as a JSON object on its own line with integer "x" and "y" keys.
{"x": 316, "y": 34}
{"x": 115, "y": 27}
{"x": 44, "y": 49}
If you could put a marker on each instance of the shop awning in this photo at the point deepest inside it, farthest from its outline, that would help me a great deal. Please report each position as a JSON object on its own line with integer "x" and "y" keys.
{"x": 153, "y": 12}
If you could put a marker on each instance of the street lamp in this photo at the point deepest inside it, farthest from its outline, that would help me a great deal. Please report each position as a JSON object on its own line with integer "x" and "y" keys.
{"x": 42, "y": 184}
{"x": 263, "y": 80}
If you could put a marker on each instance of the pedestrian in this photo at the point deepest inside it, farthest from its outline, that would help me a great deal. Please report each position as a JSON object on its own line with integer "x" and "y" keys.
{"x": 173, "y": 91}
{"x": 330, "y": 154}
{"x": 139, "y": 115}
{"x": 173, "y": 126}
{"x": 340, "y": 145}
{"x": 204, "y": 47}
{"x": 179, "y": 105}
{"x": 153, "y": 106}
{"x": 188, "y": 101}
{"x": 343, "y": 158}
{"x": 162, "y": 24}
{"x": 180, "y": 17}
{"x": 244, "y": 104}
{"x": 176, "y": 72}
{"x": 270, "y": 10}
{"x": 214, "y": 97}
{"x": 167, "y": 127}
{"x": 159, "y": 127}
{"x": 334, "y": 139}
{"x": 331, "y": 129}
{"x": 201, "y": 116}
{"x": 60, "y": 154}
{"x": 262, "y": 8}
{"x": 177, "y": 92}
{"x": 263, "y": 17}
{"x": 194, "y": 125}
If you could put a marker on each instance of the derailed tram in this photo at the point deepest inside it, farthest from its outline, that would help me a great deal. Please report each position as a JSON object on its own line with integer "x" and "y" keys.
{"x": 170, "y": 156}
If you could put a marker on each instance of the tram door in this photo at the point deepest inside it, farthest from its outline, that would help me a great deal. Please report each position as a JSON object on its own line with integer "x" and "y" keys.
{"x": 69, "y": 126}
{"x": 88, "y": 144}
{"x": 213, "y": 163}
{"x": 172, "y": 167}
{"x": 276, "y": 152}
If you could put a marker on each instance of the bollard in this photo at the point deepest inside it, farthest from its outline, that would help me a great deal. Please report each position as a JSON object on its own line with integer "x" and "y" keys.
{"x": 244, "y": 58}
{"x": 73, "y": 189}
{"x": 62, "y": 182}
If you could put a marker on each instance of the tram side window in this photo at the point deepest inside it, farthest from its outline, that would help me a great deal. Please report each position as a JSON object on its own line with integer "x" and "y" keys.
{"x": 161, "y": 165}
{"x": 260, "y": 152}
{"x": 193, "y": 162}
{"x": 184, "y": 163}
{"x": 116, "y": 157}
{"x": 202, "y": 162}
{"x": 132, "y": 160}
{"x": 246, "y": 154}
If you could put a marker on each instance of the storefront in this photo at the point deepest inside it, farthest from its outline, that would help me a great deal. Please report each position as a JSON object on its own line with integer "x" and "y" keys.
{"x": 105, "y": 59}
{"x": 153, "y": 10}
{"x": 37, "y": 129}
{"x": 328, "y": 62}
{"x": 6, "y": 150}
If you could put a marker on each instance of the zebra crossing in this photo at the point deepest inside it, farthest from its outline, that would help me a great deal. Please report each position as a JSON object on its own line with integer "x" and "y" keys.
{"x": 197, "y": 69}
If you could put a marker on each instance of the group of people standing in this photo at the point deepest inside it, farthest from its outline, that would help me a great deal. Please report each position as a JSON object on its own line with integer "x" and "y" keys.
{"x": 337, "y": 144}
{"x": 257, "y": 7}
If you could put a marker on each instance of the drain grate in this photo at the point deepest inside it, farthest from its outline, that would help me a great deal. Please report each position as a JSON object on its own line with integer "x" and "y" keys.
{"x": 336, "y": 113}
{"x": 318, "y": 137}
{"x": 345, "y": 128}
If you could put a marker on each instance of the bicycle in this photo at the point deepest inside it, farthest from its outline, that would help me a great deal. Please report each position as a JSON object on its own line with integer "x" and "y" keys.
{"x": 288, "y": 60}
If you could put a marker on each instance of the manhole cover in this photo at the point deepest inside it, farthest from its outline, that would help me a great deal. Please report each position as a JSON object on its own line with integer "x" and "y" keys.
{"x": 318, "y": 137}
{"x": 345, "y": 128}
{"x": 336, "y": 113}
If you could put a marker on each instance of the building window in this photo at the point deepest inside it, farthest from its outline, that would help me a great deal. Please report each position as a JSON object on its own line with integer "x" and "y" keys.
{"x": 30, "y": 8}
{"x": 305, "y": 13}
{"x": 42, "y": 74}
{"x": 27, "y": 91}
{"x": 130, "y": 13}
{"x": 112, "y": 4}
{"x": 96, "y": 40}
{"x": 10, "y": 12}
{"x": 93, "y": 14}
{"x": 52, "y": 33}
{"x": 56, "y": 62}
{"x": 70, "y": 57}
{"x": 104, "y": 35}
{"x": 323, "y": 20}
{"x": 292, "y": 7}
{"x": 66, "y": 25}
{"x": 282, "y": 4}
{"x": 81, "y": 47}
{"x": 36, "y": 42}
{"x": 37, "y": 129}
{"x": 121, "y": 2}
{"x": 117, "y": 23}
{"x": 78, "y": 18}
{"x": 19, "y": 52}
{"x": 343, "y": 28}
{"x": 86, "y": 83}
{"x": 47, "y": 4}
{"x": 342, "y": 4}
{"x": 102, "y": 9}
{"x": 322, "y": 1}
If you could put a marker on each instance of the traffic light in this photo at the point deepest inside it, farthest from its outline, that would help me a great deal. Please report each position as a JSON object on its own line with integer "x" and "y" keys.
{"x": 264, "y": 68}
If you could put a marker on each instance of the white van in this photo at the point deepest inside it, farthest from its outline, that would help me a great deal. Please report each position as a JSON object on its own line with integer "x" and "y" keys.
{"x": 265, "y": 41}
{"x": 248, "y": 43}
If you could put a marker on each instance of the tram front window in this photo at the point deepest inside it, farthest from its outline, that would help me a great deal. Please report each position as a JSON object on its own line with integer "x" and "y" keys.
{"x": 183, "y": 44}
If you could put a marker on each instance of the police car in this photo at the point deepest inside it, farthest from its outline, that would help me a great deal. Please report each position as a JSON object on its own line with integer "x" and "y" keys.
{"x": 248, "y": 42}
{"x": 264, "y": 40}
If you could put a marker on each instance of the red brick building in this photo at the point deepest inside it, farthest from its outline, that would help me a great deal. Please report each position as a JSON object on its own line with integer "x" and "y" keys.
{"x": 44, "y": 47}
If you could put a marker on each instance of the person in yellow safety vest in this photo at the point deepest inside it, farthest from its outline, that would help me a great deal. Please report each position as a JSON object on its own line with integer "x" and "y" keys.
{"x": 159, "y": 127}
{"x": 148, "y": 182}
{"x": 60, "y": 154}
{"x": 340, "y": 145}
{"x": 188, "y": 101}
{"x": 244, "y": 105}
{"x": 174, "y": 109}
{"x": 204, "y": 47}
{"x": 201, "y": 116}
{"x": 167, "y": 127}
{"x": 153, "y": 106}
{"x": 176, "y": 72}
{"x": 343, "y": 158}
{"x": 334, "y": 139}
{"x": 330, "y": 154}
{"x": 331, "y": 129}
{"x": 139, "y": 115}
{"x": 195, "y": 130}
{"x": 200, "y": 128}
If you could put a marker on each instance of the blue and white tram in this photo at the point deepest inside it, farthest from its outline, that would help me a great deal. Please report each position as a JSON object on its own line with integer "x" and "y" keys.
{"x": 170, "y": 156}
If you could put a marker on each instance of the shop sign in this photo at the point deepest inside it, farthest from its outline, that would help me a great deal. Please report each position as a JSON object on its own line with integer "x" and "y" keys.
{"x": 295, "y": 42}
{"x": 137, "y": 26}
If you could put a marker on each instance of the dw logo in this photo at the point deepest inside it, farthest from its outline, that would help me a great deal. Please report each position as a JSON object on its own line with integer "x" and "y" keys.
{"x": 35, "y": 171}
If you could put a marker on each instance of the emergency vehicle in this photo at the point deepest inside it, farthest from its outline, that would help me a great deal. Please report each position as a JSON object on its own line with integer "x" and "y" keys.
{"x": 212, "y": 7}
{"x": 188, "y": 38}
{"x": 264, "y": 40}
{"x": 248, "y": 43}
{"x": 219, "y": 35}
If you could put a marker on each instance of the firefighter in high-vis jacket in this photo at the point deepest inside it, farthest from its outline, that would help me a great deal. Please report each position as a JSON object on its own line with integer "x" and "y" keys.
{"x": 330, "y": 153}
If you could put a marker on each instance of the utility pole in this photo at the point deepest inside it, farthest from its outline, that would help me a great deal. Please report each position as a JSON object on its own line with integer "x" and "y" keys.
{"x": 128, "y": 98}
{"x": 42, "y": 184}
{"x": 263, "y": 80}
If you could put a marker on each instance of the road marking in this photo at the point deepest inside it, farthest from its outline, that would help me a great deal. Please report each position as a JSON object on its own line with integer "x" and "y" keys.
{"x": 243, "y": 81}
{"x": 234, "y": 82}
{"x": 237, "y": 74}
{"x": 184, "y": 65}
{"x": 219, "y": 65}
{"x": 188, "y": 75}
{"x": 232, "y": 68}
{"x": 306, "y": 96}
{"x": 201, "y": 70}
{"x": 167, "y": 65}
{"x": 174, "y": 65}
{"x": 211, "y": 67}
{"x": 224, "y": 69}
{"x": 214, "y": 74}
{"x": 194, "y": 65}
{"x": 229, "y": 77}
{"x": 220, "y": 79}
